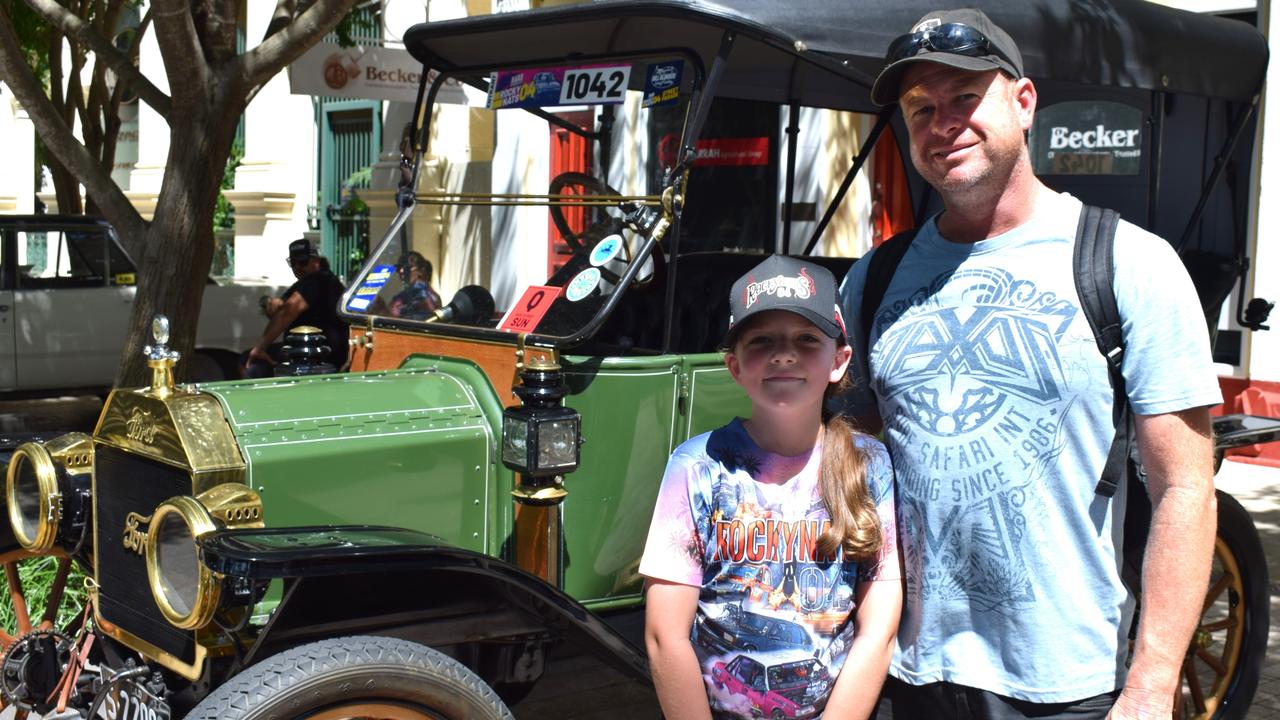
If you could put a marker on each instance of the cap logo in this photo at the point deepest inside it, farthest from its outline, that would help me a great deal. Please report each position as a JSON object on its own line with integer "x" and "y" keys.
{"x": 782, "y": 286}
{"x": 927, "y": 24}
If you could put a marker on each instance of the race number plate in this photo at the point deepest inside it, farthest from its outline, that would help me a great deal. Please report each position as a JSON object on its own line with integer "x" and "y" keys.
{"x": 595, "y": 85}
{"x": 131, "y": 701}
{"x": 552, "y": 86}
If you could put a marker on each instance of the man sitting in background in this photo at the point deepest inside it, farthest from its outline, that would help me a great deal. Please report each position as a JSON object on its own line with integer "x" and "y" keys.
{"x": 312, "y": 300}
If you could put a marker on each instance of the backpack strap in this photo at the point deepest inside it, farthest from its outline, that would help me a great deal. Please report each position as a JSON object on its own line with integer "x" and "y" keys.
{"x": 1093, "y": 262}
{"x": 883, "y": 264}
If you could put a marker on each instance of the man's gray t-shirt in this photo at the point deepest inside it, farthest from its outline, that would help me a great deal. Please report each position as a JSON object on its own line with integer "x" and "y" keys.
{"x": 997, "y": 411}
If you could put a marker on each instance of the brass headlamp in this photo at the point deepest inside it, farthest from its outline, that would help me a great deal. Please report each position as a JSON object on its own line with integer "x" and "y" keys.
{"x": 187, "y": 592}
{"x": 47, "y": 489}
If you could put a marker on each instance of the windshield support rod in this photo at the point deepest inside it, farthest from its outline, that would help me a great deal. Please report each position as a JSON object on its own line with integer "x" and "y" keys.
{"x": 1157, "y": 149}
{"x": 864, "y": 152}
{"x": 700, "y": 100}
{"x": 793, "y": 134}
{"x": 406, "y": 192}
{"x": 1219, "y": 167}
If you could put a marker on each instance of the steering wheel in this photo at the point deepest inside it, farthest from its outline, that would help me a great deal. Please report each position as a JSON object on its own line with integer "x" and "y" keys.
{"x": 591, "y": 186}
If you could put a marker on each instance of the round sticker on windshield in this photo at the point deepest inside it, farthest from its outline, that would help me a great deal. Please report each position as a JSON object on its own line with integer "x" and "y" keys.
{"x": 582, "y": 284}
{"x": 606, "y": 250}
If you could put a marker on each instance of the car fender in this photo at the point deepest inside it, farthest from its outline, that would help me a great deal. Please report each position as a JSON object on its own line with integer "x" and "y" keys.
{"x": 402, "y": 583}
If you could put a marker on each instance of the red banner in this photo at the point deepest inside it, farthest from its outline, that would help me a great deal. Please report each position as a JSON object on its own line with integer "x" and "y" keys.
{"x": 733, "y": 151}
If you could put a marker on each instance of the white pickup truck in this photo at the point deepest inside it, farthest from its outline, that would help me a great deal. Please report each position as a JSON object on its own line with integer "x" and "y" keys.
{"x": 66, "y": 290}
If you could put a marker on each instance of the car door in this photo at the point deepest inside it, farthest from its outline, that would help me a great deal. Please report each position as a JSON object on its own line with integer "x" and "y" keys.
{"x": 8, "y": 370}
{"x": 71, "y": 312}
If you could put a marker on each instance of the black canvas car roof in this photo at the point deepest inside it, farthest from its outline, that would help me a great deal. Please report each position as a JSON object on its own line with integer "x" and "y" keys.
{"x": 810, "y": 51}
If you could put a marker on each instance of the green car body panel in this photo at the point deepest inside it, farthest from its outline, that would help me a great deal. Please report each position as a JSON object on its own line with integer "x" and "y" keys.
{"x": 418, "y": 448}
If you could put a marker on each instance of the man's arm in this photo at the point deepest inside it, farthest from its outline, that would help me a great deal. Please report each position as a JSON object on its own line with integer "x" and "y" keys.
{"x": 1177, "y": 454}
{"x": 280, "y": 321}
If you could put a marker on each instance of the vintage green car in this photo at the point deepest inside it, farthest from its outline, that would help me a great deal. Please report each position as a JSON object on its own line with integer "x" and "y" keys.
{"x": 453, "y": 528}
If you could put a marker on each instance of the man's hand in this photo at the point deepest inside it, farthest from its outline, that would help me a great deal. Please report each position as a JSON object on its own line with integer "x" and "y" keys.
{"x": 271, "y": 305}
{"x": 285, "y": 313}
{"x": 257, "y": 354}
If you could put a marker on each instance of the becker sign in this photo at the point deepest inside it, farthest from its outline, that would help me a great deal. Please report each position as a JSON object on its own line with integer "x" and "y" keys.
{"x": 1087, "y": 138}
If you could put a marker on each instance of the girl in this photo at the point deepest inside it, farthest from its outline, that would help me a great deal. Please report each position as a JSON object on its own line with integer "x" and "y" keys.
{"x": 773, "y": 582}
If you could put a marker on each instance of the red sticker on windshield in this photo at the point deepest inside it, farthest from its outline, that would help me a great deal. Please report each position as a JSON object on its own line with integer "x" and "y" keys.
{"x": 528, "y": 311}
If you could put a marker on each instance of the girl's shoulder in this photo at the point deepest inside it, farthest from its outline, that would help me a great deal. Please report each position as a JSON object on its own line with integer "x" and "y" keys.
{"x": 727, "y": 436}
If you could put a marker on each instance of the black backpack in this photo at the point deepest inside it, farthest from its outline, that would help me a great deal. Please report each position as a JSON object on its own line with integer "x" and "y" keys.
{"x": 1094, "y": 272}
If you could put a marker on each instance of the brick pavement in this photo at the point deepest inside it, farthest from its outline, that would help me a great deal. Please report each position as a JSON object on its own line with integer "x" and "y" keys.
{"x": 1258, "y": 490}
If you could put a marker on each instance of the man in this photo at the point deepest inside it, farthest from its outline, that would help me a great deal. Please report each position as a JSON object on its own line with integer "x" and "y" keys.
{"x": 997, "y": 410}
{"x": 312, "y": 300}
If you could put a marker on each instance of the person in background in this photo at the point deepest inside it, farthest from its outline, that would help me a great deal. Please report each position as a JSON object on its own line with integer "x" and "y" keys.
{"x": 312, "y": 300}
{"x": 418, "y": 300}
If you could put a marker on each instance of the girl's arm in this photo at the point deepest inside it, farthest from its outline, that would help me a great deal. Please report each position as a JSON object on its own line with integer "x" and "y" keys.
{"x": 668, "y": 618}
{"x": 879, "y": 606}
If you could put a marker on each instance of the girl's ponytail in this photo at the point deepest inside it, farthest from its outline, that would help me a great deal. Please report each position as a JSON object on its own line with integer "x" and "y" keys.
{"x": 842, "y": 482}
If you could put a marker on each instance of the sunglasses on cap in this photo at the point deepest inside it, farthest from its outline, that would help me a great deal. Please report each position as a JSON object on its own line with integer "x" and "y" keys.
{"x": 954, "y": 38}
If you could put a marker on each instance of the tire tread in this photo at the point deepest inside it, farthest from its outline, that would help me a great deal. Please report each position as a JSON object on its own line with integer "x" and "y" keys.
{"x": 249, "y": 692}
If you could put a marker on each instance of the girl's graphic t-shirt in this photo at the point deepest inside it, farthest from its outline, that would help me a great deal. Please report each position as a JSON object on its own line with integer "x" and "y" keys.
{"x": 775, "y": 619}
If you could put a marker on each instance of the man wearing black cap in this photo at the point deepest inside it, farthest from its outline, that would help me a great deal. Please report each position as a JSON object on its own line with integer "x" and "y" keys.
{"x": 997, "y": 405}
{"x": 312, "y": 300}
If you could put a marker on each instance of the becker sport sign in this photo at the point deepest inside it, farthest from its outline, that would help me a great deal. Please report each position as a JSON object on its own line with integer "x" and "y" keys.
{"x": 1087, "y": 138}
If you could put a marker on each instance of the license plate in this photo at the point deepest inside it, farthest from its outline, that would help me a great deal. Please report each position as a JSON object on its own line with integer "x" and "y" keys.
{"x": 131, "y": 701}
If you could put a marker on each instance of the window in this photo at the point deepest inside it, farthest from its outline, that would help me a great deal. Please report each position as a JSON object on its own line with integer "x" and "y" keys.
{"x": 70, "y": 258}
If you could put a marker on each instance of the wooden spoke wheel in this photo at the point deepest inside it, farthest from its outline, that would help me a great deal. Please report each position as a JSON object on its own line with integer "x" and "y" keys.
{"x": 35, "y": 590}
{"x": 1222, "y": 666}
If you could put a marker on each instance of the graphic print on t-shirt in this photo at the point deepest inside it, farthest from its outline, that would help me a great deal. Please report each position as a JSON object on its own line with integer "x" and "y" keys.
{"x": 975, "y": 385}
{"x": 765, "y": 640}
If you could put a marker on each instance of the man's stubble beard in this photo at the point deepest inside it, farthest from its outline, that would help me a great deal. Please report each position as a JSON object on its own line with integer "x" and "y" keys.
{"x": 988, "y": 181}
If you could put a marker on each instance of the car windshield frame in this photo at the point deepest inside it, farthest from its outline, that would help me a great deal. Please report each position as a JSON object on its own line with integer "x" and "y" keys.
{"x": 395, "y": 241}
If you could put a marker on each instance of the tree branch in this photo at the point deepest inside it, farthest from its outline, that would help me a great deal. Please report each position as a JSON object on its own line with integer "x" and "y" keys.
{"x": 288, "y": 44}
{"x": 220, "y": 31}
{"x": 184, "y": 62}
{"x": 280, "y": 17}
{"x": 72, "y": 26}
{"x": 59, "y": 140}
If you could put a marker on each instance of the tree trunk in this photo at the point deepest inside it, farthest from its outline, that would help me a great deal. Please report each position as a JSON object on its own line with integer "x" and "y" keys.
{"x": 180, "y": 238}
{"x": 66, "y": 188}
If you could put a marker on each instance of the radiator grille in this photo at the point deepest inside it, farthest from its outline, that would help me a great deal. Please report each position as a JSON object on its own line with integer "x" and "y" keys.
{"x": 126, "y": 483}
